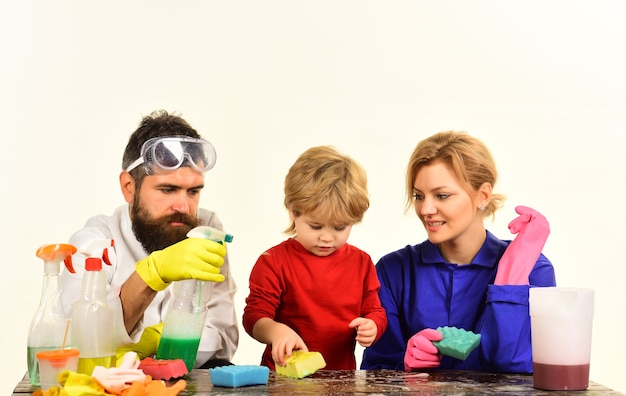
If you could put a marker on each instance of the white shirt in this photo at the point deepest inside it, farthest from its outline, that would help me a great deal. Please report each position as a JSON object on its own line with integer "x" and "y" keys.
{"x": 220, "y": 334}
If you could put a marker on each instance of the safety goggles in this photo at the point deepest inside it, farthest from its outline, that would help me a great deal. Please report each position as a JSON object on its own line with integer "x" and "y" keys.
{"x": 171, "y": 152}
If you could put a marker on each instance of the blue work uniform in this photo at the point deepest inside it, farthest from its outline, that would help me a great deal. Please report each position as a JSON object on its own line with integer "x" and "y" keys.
{"x": 419, "y": 290}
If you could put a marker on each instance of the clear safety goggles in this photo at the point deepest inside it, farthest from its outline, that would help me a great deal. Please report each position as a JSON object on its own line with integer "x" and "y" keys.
{"x": 171, "y": 152}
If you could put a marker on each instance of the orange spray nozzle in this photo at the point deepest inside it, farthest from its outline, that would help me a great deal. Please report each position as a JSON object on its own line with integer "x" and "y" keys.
{"x": 57, "y": 252}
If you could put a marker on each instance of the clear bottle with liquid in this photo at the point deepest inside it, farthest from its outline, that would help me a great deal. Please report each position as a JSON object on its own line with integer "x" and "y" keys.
{"x": 186, "y": 314}
{"x": 49, "y": 324}
{"x": 92, "y": 318}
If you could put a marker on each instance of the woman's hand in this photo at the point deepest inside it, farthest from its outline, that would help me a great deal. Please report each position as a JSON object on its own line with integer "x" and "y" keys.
{"x": 520, "y": 256}
{"x": 421, "y": 352}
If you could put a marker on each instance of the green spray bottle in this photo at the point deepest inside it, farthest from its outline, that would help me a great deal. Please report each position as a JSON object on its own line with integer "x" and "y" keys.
{"x": 186, "y": 314}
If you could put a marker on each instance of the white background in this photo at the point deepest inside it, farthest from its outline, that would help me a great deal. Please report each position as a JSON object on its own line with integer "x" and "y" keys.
{"x": 541, "y": 82}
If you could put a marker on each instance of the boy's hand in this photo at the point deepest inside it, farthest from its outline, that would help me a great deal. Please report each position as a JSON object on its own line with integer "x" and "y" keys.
{"x": 285, "y": 341}
{"x": 366, "y": 331}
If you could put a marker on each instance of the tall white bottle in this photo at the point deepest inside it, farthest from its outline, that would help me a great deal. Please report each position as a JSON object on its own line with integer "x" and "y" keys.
{"x": 92, "y": 319}
{"x": 48, "y": 328}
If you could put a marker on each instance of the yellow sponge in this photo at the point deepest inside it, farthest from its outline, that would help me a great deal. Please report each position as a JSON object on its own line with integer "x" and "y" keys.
{"x": 301, "y": 363}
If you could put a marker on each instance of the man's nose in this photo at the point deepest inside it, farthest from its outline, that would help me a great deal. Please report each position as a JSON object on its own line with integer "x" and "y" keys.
{"x": 181, "y": 203}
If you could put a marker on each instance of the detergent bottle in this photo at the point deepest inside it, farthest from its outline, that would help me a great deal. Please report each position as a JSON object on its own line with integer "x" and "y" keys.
{"x": 184, "y": 320}
{"x": 92, "y": 319}
{"x": 48, "y": 328}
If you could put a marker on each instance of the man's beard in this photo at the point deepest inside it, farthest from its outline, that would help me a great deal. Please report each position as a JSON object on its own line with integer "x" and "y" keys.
{"x": 157, "y": 234}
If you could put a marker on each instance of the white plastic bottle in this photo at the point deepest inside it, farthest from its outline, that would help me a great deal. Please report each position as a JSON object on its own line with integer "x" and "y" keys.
{"x": 186, "y": 314}
{"x": 92, "y": 319}
{"x": 48, "y": 328}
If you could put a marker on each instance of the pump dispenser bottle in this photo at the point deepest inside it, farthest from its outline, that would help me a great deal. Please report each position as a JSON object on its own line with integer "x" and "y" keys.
{"x": 47, "y": 329}
{"x": 92, "y": 318}
{"x": 186, "y": 314}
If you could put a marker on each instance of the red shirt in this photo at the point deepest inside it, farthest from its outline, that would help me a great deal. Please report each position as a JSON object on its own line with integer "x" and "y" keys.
{"x": 317, "y": 297}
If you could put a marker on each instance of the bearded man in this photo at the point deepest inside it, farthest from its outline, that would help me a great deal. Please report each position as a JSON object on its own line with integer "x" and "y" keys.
{"x": 162, "y": 176}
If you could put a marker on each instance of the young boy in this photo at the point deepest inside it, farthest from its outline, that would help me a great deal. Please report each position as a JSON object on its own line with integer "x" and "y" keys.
{"x": 314, "y": 291}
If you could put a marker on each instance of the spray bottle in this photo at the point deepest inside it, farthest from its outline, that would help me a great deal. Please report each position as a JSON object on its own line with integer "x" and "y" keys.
{"x": 184, "y": 320}
{"x": 92, "y": 318}
{"x": 48, "y": 327}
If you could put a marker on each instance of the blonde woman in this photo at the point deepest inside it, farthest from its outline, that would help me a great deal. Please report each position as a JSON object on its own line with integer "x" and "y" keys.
{"x": 462, "y": 275}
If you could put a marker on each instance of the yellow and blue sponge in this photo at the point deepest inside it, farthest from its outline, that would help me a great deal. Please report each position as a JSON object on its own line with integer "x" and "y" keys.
{"x": 301, "y": 364}
{"x": 236, "y": 376}
{"x": 457, "y": 343}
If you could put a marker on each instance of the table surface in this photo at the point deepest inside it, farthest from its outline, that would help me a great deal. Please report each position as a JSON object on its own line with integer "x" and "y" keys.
{"x": 379, "y": 382}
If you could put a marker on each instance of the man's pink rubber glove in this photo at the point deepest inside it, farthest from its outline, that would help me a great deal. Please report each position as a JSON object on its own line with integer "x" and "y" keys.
{"x": 421, "y": 352}
{"x": 520, "y": 256}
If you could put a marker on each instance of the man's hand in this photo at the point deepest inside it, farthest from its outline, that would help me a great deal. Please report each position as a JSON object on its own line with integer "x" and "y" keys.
{"x": 421, "y": 352}
{"x": 146, "y": 346}
{"x": 520, "y": 256}
{"x": 191, "y": 258}
{"x": 366, "y": 331}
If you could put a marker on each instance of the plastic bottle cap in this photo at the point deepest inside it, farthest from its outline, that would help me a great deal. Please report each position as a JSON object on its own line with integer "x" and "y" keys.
{"x": 58, "y": 354}
{"x": 55, "y": 252}
{"x": 58, "y": 357}
{"x": 93, "y": 264}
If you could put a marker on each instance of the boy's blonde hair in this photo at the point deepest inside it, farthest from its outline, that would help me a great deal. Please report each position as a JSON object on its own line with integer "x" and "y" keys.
{"x": 468, "y": 157}
{"x": 326, "y": 185}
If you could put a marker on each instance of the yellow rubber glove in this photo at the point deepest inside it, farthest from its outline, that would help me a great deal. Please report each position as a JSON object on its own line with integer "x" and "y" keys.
{"x": 191, "y": 258}
{"x": 146, "y": 346}
{"x": 76, "y": 384}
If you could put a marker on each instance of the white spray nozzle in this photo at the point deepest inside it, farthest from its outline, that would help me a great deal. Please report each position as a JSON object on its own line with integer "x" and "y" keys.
{"x": 206, "y": 232}
{"x": 97, "y": 248}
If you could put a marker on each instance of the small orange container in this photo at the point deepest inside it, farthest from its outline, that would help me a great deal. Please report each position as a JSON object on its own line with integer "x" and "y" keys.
{"x": 53, "y": 362}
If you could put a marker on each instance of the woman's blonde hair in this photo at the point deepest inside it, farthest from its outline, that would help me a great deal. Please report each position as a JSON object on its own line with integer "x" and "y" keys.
{"x": 468, "y": 157}
{"x": 327, "y": 185}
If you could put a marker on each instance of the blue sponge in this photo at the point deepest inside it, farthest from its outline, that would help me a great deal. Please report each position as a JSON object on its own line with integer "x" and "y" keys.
{"x": 236, "y": 376}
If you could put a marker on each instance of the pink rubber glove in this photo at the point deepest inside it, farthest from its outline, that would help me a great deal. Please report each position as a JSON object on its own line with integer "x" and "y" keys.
{"x": 117, "y": 379}
{"x": 421, "y": 352}
{"x": 520, "y": 256}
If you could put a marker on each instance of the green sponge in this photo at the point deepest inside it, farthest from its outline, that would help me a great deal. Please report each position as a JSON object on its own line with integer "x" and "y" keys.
{"x": 458, "y": 343}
